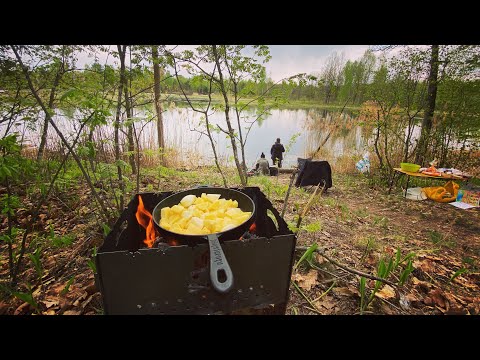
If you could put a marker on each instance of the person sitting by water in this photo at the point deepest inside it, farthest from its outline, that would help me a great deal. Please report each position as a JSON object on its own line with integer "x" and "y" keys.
{"x": 262, "y": 167}
{"x": 277, "y": 151}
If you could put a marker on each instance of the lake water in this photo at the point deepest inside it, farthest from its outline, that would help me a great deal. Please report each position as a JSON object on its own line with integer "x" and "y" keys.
{"x": 299, "y": 130}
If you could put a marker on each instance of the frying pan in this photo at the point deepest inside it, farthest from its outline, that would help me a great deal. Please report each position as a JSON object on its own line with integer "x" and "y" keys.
{"x": 219, "y": 266}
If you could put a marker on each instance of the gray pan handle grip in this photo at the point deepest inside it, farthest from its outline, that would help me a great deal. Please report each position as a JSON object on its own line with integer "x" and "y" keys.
{"x": 219, "y": 264}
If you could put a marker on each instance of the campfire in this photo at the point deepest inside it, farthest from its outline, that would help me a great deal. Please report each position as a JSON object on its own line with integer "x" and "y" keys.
{"x": 144, "y": 218}
{"x": 140, "y": 272}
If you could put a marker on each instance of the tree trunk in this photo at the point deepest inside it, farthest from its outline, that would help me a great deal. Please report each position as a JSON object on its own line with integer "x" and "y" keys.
{"x": 121, "y": 53}
{"x": 227, "y": 118}
{"x": 158, "y": 105}
{"x": 375, "y": 144}
{"x": 240, "y": 132}
{"x": 43, "y": 141}
{"x": 128, "y": 109}
{"x": 430, "y": 108}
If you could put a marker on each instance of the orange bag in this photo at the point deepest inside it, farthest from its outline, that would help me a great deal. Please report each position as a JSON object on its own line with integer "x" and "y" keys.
{"x": 447, "y": 193}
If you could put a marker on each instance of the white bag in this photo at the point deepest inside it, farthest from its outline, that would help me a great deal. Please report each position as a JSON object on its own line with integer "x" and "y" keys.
{"x": 416, "y": 194}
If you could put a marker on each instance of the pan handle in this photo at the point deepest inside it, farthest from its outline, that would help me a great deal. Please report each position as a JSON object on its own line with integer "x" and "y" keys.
{"x": 219, "y": 266}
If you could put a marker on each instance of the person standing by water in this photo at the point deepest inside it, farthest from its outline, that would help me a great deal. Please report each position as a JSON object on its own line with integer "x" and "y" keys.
{"x": 277, "y": 151}
{"x": 262, "y": 167}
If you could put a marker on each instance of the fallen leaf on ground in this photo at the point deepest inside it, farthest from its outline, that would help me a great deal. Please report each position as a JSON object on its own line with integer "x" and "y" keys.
{"x": 413, "y": 300}
{"x": 80, "y": 298}
{"x": 439, "y": 299}
{"x": 91, "y": 288}
{"x": 3, "y": 308}
{"x": 327, "y": 302}
{"x": 428, "y": 301}
{"x": 371, "y": 259}
{"x": 307, "y": 281}
{"x": 72, "y": 312}
{"x": 50, "y": 302}
{"x": 456, "y": 310}
{"x": 386, "y": 309}
{"x": 424, "y": 285}
{"x": 434, "y": 258}
{"x": 22, "y": 309}
{"x": 49, "y": 312}
{"x": 387, "y": 292}
{"x": 390, "y": 250}
{"x": 425, "y": 265}
{"x": 345, "y": 291}
{"x": 320, "y": 259}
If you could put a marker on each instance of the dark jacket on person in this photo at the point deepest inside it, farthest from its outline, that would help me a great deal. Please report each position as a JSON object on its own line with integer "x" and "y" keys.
{"x": 277, "y": 151}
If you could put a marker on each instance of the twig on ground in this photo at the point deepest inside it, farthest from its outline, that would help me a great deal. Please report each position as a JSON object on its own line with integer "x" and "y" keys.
{"x": 309, "y": 204}
{"x": 305, "y": 297}
{"x": 314, "y": 310}
{"x": 325, "y": 271}
{"x": 344, "y": 267}
{"x": 394, "y": 306}
{"x": 326, "y": 292}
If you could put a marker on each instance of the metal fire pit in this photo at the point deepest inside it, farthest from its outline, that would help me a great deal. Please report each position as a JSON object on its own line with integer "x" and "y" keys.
{"x": 175, "y": 279}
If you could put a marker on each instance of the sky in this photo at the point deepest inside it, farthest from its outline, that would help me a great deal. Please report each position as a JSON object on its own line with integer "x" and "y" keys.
{"x": 287, "y": 60}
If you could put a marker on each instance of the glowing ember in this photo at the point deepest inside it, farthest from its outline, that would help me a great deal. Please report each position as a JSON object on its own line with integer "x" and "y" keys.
{"x": 145, "y": 219}
{"x": 252, "y": 230}
{"x": 173, "y": 243}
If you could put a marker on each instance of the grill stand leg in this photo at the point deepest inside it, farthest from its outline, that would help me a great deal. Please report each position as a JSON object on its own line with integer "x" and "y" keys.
{"x": 406, "y": 187}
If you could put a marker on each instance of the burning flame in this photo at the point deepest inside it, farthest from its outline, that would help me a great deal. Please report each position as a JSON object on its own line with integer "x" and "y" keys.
{"x": 145, "y": 219}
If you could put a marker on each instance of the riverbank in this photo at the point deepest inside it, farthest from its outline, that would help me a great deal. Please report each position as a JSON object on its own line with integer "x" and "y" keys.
{"x": 290, "y": 104}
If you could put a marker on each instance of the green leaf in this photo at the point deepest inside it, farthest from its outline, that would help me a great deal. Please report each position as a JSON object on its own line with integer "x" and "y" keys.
{"x": 397, "y": 258}
{"x": 70, "y": 93}
{"x": 67, "y": 286}
{"x": 121, "y": 163}
{"x": 308, "y": 254}
{"x": 404, "y": 275}
{"x": 26, "y": 297}
{"x": 362, "y": 294}
{"x": 458, "y": 273}
{"x": 381, "y": 268}
{"x": 106, "y": 229}
{"x": 92, "y": 266}
{"x": 408, "y": 257}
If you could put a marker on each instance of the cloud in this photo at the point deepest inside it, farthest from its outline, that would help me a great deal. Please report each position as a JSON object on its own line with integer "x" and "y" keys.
{"x": 287, "y": 60}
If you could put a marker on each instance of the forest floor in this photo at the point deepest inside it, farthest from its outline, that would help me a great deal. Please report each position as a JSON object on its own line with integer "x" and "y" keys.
{"x": 355, "y": 224}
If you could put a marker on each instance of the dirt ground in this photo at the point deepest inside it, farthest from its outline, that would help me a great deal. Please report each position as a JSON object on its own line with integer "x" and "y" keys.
{"x": 355, "y": 224}
{"x": 360, "y": 225}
